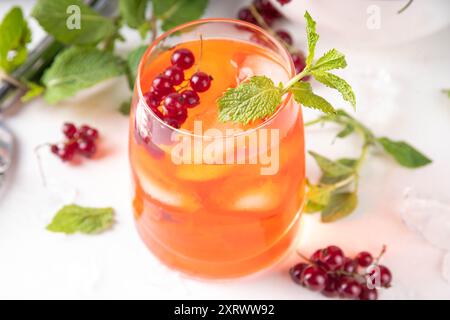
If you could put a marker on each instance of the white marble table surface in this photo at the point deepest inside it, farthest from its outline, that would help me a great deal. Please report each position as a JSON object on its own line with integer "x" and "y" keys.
{"x": 399, "y": 95}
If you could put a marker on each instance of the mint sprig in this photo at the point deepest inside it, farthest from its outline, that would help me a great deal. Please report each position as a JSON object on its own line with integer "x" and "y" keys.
{"x": 335, "y": 195}
{"x": 258, "y": 98}
{"x": 72, "y": 218}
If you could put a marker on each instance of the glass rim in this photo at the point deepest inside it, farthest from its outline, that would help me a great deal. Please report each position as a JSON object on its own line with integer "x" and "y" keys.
{"x": 283, "y": 50}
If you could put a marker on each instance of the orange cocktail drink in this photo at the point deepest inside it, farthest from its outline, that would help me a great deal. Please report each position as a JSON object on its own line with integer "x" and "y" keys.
{"x": 217, "y": 199}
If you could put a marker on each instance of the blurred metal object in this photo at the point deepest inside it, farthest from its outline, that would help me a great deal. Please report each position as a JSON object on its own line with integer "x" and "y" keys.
{"x": 6, "y": 150}
{"x": 40, "y": 58}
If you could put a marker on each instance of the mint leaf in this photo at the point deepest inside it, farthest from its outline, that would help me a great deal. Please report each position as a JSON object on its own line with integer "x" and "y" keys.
{"x": 333, "y": 59}
{"x": 73, "y": 218}
{"x": 329, "y": 179}
{"x": 78, "y": 68}
{"x": 176, "y": 12}
{"x": 405, "y": 154}
{"x": 348, "y": 130}
{"x": 319, "y": 195}
{"x": 312, "y": 37}
{"x": 339, "y": 206}
{"x": 331, "y": 168}
{"x": 312, "y": 207}
{"x": 303, "y": 94}
{"x": 133, "y": 12}
{"x": 34, "y": 90}
{"x": 133, "y": 59}
{"x": 14, "y": 36}
{"x": 53, "y": 17}
{"x": 252, "y": 100}
{"x": 334, "y": 82}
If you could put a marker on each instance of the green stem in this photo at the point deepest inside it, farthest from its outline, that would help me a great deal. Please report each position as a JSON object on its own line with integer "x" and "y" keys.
{"x": 294, "y": 80}
{"x": 313, "y": 122}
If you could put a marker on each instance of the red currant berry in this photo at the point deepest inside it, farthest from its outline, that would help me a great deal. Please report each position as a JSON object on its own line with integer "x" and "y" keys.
{"x": 191, "y": 98}
{"x": 330, "y": 289}
{"x": 183, "y": 58}
{"x": 152, "y": 99}
{"x": 349, "y": 265}
{"x": 314, "y": 278}
{"x": 350, "y": 289}
{"x": 246, "y": 15}
{"x": 285, "y": 36}
{"x": 385, "y": 276}
{"x": 364, "y": 259}
{"x": 265, "y": 7}
{"x": 86, "y": 147}
{"x": 283, "y": 2}
{"x": 69, "y": 130}
{"x": 200, "y": 81}
{"x": 162, "y": 85}
{"x": 175, "y": 74}
{"x": 332, "y": 257}
{"x": 173, "y": 122}
{"x": 88, "y": 132}
{"x": 315, "y": 257}
{"x": 368, "y": 294}
{"x": 174, "y": 105}
{"x": 64, "y": 151}
{"x": 299, "y": 61}
{"x": 297, "y": 271}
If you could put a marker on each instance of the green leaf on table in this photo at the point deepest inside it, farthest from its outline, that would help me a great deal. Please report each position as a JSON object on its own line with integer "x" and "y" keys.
{"x": 72, "y": 218}
{"x": 328, "y": 179}
{"x": 133, "y": 11}
{"x": 335, "y": 82}
{"x": 72, "y": 22}
{"x": 330, "y": 167}
{"x": 332, "y": 59}
{"x": 311, "y": 207}
{"x": 312, "y": 37}
{"x": 14, "y": 36}
{"x": 304, "y": 95}
{"x": 254, "y": 99}
{"x": 34, "y": 90}
{"x": 176, "y": 12}
{"x": 133, "y": 59}
{"x": 318, "y": 194}
{"x": 78, "y": 68}
{"x": 339, "y": 206}
{"x": 404, "y": 153}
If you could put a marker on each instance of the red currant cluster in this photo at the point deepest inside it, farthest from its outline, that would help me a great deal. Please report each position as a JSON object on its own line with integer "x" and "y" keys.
{"x": 78, "y": 140}
{"x": 333, "y": 274}
{"x": 170, "y": 104}
{"x": 264, "y": 15}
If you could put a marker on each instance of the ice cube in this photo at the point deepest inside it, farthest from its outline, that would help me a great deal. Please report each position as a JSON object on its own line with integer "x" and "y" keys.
{"x": 428, "y": 217}
{"x": 266, "y": 196}
{"x": 261, "y": 66}
{"x": 167, "y": 192}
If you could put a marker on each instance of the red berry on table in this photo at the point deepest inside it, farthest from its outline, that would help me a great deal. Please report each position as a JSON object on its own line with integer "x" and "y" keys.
{"x": 86, "y": 147}
{"x": 297, "y": 271}
{"x": 265, "y": 7}
{"x": 191, "y": 98}
{"x": 285, "y": 36}
{"x": 69, "y": 130}
{"x": 364, "y": 259}
{"x": 162, "y": 85}
{"x": 283, "y": 2}
{"x": 175, "y": 74}
{"x": 385, "y": 276}
{"x": 246, "y": 15}
{"x": 314, "y": 278}
{"x": 315, "y": 257}
{"x": 152, "y": 99}
{"x": 332, "y": 257}
{"x": 64, "y": 151}
{"x": 330, "y": 289}
{"x": 368, "y": 294}
{"x": 183, "y": 58}
{"x": 88, "y": 132}
{"x": 349, "y": 288}
{"x": 349, "y": 265}
{"x": 200, "y": 81}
